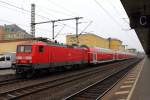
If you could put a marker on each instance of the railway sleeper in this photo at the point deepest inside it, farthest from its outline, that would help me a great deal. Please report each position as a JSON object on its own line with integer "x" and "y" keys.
{"x": 9, "y": 96}
{"x": 85, "y": 97}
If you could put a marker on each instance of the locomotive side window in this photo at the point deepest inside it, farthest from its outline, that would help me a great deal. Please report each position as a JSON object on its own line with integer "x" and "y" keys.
{"x": 41, "y": 48}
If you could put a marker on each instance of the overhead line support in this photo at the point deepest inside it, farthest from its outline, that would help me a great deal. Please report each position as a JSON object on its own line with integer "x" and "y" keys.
{"x": 33, "y": 20}
{"x": 53, "y": 26}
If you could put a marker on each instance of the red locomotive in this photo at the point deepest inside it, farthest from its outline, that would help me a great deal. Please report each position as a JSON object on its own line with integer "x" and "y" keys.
{"x": 42, "y": 56}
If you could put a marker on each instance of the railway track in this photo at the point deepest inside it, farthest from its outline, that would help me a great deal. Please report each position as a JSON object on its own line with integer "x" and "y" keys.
{"x": 101, "y": 87}
{"x": 10, "y": 81}
{"x": 18, "y": 93}
{"x": 23, "y": 91}
{"x": 7, "y": 79}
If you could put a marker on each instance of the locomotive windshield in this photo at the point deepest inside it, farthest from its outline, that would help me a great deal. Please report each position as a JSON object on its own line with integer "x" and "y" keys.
{"x": 24, "y": 48}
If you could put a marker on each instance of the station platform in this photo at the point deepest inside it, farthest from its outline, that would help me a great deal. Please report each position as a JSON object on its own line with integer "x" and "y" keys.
{"x": 134, "y": 86}
{"x": 6, "y": 71}
{"x": 142, "y": 88}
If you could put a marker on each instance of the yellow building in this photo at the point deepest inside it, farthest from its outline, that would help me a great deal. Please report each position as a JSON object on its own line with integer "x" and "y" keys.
{"x": 94, "y": 40}
{"x": 11, "y": 45}
{"x": 115, "y": 44}
{"x": 88, "y": 39}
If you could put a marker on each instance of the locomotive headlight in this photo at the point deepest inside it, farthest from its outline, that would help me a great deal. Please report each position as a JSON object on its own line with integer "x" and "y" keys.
{"x": 28, "y": 57}
{"x": 19, "y": 57}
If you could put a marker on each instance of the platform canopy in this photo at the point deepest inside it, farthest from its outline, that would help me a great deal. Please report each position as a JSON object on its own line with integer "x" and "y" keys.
{"x": 139, "y": 15}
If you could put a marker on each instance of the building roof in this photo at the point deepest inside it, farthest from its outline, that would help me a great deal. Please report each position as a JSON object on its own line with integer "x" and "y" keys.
{"x": 97, "y": 36}
{"x": 115, "y": 39}
{"x": 88, "y": 34}
{"x": 13, "y": 28}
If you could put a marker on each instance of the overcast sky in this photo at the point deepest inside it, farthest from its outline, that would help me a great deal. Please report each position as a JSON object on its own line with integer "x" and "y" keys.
{"x": 107, "y": 17}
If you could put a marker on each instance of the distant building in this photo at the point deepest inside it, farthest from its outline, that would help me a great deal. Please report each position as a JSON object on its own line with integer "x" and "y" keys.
{"x": 88, "y": 39}
{"x": 13, "y": 28}
{"x": 11, "y": 45}
{"x": 94, "y": 40}
{"x": 132, "y": 50}
{"x": 17, "y": 35}
{"x": 2, "y": 32}
{"x": 123, "y": 48}
{"x": 12, "y": 32}
{"x": 115, "y": 44}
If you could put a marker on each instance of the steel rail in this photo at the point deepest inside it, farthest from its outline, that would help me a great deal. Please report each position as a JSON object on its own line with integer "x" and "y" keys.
{"x": 95, "y": 94}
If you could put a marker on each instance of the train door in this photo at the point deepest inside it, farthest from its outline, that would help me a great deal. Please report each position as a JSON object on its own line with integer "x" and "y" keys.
{"x": 42, "y": 54}
{"x": 114, "y": 55}
{"x": 117, "y": 55}
{"x": 94, "y": 58}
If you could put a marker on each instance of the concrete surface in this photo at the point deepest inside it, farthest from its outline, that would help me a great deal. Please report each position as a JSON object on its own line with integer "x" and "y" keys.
{"x": 6, "y": 71}
{"x": 142, "y": 89}
{"x": 123, "y": 90}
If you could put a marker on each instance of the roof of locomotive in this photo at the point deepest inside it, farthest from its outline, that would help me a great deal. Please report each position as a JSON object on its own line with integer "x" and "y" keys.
{"x": 33, "y": 43}
{"x": 51, "y": 44}
{"x": 39, "y": 43}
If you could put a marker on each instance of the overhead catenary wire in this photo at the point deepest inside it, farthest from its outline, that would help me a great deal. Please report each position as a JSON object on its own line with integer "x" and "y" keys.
{"x": 58, "y": 20}
{"x": 60, "y": 31}
{"x": 124, "y": 19}
{"x": 67, "y": 10}
{"x": 6, "y": 3}
{"x": 109, "y": 15}
{"x": 86, "y": 27}
{"x": 115, "y": 9}
{"x": 27, "y": 11}
{"x": 21, "y": 9}
{"x": 23, "y": 25}
{"x": 118, "y": 13}
{"x": 58, "y": 5}
{"x": 23, "y": 2}
{"x": 52, "y": 10}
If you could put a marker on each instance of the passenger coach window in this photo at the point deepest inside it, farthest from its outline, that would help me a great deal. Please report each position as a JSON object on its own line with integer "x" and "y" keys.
{"x": 41, "y": 48}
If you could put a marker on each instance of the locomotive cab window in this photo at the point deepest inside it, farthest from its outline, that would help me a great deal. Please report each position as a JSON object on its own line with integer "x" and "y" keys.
{"x": 24, "y": 48}
{"x": 41, "y": 48}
